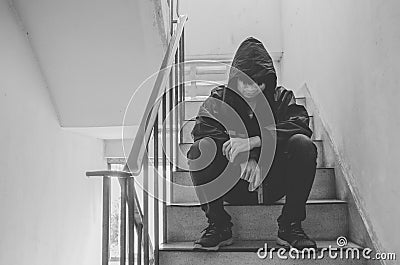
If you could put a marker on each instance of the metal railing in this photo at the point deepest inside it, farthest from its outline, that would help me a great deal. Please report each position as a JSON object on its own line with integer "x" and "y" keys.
{"x": 171, "y": 73}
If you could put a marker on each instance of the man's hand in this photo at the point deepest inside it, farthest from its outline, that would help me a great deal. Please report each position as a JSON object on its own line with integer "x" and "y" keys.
{"x": 234, "y": 146}
{"x": 252, "y": 174}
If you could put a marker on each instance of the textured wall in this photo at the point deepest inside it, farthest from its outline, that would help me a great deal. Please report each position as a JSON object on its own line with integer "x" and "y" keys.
{"x": 347, "y": 52}
{"x": 218, "y": 26}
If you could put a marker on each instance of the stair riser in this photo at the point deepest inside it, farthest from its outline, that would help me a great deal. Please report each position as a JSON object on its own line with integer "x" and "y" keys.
{"x": 243, "y": 258}
{"x": 211, "y": 78}
{"x": 324, "y": 221}
{"x": 212, "y": 72}
{"x": 323, "y": 187}
{"x": 322, "y": 160}
{"x": 196, "y": 90}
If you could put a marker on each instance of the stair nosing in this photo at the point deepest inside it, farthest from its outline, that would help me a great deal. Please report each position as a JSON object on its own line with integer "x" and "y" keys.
{"x": 183, "y": 170}
{"x": 194, "y": 119}
{"x": 186, "y": 246}
{"x": 314, "y": 140}
{"x": 309, "y": 202}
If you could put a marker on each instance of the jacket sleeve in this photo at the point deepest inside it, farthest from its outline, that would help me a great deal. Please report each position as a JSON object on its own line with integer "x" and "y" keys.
{"x": 255, "y": 153}
{"x": 207, "y": 122}
{"x": 291, "y": 119}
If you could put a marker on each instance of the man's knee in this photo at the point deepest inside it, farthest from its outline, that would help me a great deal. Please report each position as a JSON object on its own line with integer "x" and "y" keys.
{"x": 200, "y": 147}
{"x": 300, "y": 145}
{"x": 202, "y": 154}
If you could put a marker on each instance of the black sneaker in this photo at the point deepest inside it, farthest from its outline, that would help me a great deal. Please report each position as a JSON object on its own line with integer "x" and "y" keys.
{"x": 214, "y": 237}
{"x": 293, "y": 235}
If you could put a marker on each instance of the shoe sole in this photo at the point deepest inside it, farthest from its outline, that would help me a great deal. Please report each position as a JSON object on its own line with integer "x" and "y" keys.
{"x": 285, "y": 243}
{"x": 227, "y": 242}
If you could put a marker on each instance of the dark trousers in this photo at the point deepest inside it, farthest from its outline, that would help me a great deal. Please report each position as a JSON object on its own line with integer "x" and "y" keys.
{"x": 291, "y": 174}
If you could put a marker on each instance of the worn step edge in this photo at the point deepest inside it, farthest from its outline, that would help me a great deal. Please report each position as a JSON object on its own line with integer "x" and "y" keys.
{"x": 309, "y": 202}
{"x": 247, "y": 245}
{"x": 321, "y": 167}
{"x": 318, "y": 141}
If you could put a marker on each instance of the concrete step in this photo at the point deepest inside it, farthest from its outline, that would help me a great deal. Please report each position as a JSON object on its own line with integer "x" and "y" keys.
{"x": 188, "y": 125}
{"x": 202, "y": 76}
{"x": 322, "y": 161}
{"x": 192, "y": 105}
{"x": 326, "y": 220}
{"x": 245, "y": 253}
{"x": 199, "y": 67}
{"x": 215, "y": 74}
{"x": 323, "y": 188}
{"x": 196, "y": 90}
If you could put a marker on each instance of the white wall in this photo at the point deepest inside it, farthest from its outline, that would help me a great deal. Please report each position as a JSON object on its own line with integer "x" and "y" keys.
{"x": 348, "y": 53}
{"x": 218, "y": 26}
{"x": 50, "y": 212}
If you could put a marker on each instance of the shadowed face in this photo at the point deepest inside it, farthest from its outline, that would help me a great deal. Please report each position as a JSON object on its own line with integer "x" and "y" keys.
{"x": 250, "y": 91}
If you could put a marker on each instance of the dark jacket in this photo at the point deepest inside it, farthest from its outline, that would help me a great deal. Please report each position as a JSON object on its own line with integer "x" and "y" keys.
{"x": 252, "y": 61}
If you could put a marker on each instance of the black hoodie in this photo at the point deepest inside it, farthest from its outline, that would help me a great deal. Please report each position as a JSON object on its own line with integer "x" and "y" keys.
{"x": 252, "y": 60}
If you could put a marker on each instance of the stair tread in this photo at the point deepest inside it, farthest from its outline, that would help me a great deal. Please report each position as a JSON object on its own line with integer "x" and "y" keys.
{"x": 246, "y": 245}
{"x": 326, "y": 220}
{"x": 323, "y": 187}
{"x": 309, "y": 202}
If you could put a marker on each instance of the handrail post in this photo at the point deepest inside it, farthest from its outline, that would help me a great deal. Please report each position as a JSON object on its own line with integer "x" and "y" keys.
{"x": 181, "y": 84}
{"x": 176, "y": 105}
{"x": 131, "y": 221}
{"x": 146, "y": 208}
{"x": 172, "y": 17}
{"x": 171, "y": 125}
{"x": 122, "y": 231}
{"x": 164, "y": 165}
{"x": 156, "y": 193}
{"x": 106, "y": 220}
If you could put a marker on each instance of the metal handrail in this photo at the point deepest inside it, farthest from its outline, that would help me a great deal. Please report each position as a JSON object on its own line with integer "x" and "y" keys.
{"x": 135, "y": 158}
{"x": 130, "y": 207}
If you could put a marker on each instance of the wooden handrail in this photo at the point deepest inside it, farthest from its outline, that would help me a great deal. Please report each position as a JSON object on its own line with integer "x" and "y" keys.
{"x": 135, "y": 158}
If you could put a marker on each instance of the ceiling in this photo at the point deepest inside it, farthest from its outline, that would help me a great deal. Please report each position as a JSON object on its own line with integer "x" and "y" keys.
{"x": 94, "y": 54}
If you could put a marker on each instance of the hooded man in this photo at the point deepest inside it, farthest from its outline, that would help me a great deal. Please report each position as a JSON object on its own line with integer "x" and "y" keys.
{"x": 260, "y": 137}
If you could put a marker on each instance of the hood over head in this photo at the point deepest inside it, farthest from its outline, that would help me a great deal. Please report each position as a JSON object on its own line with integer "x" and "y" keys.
{"x": 252, "y": 61}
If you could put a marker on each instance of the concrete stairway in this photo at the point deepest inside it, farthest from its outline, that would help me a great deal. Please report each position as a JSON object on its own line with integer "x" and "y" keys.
{"x": 254, "y": 225}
